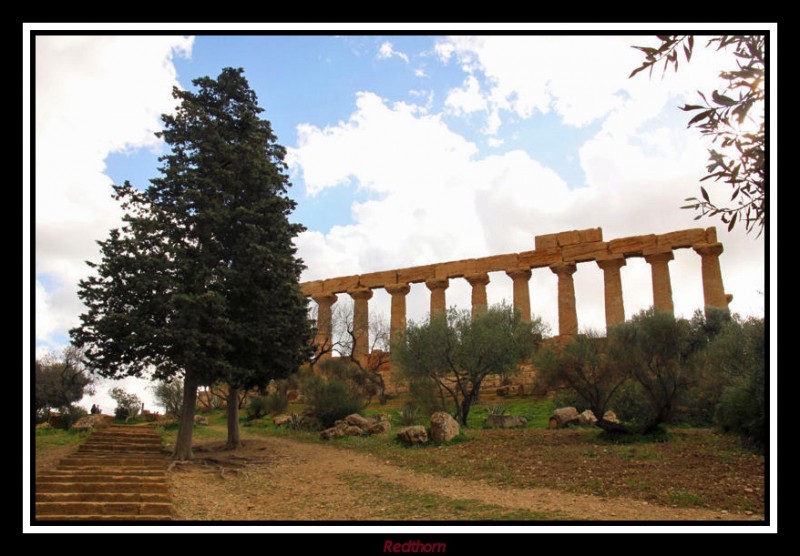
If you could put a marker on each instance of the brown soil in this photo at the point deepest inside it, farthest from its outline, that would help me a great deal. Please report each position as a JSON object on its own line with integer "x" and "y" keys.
{"x": 284, "y": 479}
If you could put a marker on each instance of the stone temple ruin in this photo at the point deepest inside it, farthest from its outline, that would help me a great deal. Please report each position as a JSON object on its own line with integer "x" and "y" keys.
{"x": 560, "y": 252}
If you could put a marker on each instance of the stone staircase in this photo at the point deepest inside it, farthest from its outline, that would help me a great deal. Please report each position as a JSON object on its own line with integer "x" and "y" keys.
{"x": 119, "y": 473}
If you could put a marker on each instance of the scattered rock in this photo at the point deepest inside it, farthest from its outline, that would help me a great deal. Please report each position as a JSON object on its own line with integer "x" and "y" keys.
{"x": 587, "y": 418}
{"x": 443, "y": 427}
{"x": 748, "y": 512}
{"x": 562, "y": 417}
{"x": 308, "y": 422}
{"x": 333, "y": 432}
{"x": 413, "y": 435}
{"x": 352, "y": 430}
{"x": 611, "y": 417}
{"x": 380, "y": 427}
{"x": 281, "y": 420}
{"x": 200, "y": 420}
{"x": 44, "y": 425}
{"x": 748, "y": 489}
{"x": 92, "y": 422}
{"x": 505, "y": 422}
{"x": 357, "y": 420}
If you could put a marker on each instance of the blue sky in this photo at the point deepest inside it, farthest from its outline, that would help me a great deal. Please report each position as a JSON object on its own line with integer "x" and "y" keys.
{"x": 402, "y": 150}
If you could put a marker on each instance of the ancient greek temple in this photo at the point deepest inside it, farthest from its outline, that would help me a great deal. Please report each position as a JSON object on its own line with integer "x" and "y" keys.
{"x": 560, "y": 252}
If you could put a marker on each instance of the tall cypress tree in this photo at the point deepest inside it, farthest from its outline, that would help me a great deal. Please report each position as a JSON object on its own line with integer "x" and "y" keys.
{"x": 202, "y": 279}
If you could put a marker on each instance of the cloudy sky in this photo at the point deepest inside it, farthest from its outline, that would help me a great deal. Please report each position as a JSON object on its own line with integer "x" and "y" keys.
{"x": 402, "y": 150}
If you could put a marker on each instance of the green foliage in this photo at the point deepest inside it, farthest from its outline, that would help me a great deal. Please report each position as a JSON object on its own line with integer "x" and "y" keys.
{"x": 359, "y": 379}
{"x": 427, "y": 396}
{"x": 59, "y": 382}
{"x": 585, "y": 367}
{"x": 409, "y": 414}
{"x": 457, "y": 352}
{"x": 332, "y": 399}
{"x": 257, "y": 407}
{"x": 740, "y": 351}
{"x": 497, "y": 409}
{"x": 128, "y": 405}
{"x": 273, "y": 403}
{"x": 734, "y": 119}
{"x": 169, "y": 395}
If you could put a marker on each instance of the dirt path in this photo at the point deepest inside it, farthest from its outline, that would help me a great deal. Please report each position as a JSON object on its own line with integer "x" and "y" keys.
{"x": 283, "y": 479}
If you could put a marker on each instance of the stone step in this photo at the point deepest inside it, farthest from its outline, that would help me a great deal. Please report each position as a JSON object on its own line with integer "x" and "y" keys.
{"x": 124, "y": 439}
{"x": 102, "y": 497}
{"x": 143, "y": 460}
{"x": 111, "y": 470}
{"x": 97, "y": 478}
{"x": 121, "y": 448}
{"x": 104, "y": 518}
{"x": 129, "y": 487}
{"x": 103, "y": 508}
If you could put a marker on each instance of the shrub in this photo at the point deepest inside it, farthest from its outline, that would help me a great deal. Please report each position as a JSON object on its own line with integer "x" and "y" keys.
{"x": 169, "y": 395}
{"x": 70, "y": 416}
{"x": 409, "y": 414}
{"x": 276, "y": 402}
{"x": 332, "y": 399}
{"x": 257, "y": 408}
{"x": 425, "y": 396}
{"x": 497, "y": 409}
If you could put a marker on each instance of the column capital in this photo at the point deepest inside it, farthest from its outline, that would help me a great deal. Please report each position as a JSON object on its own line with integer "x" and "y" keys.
{"x": 437, "y": 283}
{"x": 325, "y": 298}
{"x": 612, "y": 262}
{"x": 520, "y": 273}
{"x": 477, "y": 279}
{"x": 397, "y": 289}
{"x": 708, "y": 249}
{"x": 658, "y": 256}
{"x": 360, "y": 293}
{"x": 564, "y": 269}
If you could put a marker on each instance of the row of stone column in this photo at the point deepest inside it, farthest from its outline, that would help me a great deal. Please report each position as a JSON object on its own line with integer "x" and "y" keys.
{"x": 713, "y": 291}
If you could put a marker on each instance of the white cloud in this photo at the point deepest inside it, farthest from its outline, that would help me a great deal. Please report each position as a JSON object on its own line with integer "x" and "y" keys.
{"x": 386, "y": 51}
{"x": 420, "y": 72}
{"x": 495, "y": 142}
{"x": 438, "y": 200}
{"x": 466, "y": 99}
{"x": 94, "y": 96}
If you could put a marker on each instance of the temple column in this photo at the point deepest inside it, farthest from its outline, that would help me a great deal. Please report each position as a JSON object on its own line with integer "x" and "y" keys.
{"x": 713, "y": 290}
{"x": 398, "y": 318}
{"x": 324, "y": 338}
{"x": 662, "y": 286}
{"x": 567, "y": 314}
{"x": 437, "y": 287}
{"x": 478, "y": 283}
{"x": 615, "y": 309}
{"x": 522, "y": 295}
{"x": 361, "y": 297}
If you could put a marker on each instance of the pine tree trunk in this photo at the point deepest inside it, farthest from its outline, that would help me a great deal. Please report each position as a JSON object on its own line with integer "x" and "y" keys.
{"x": 183, "y": 444}
{"x": 232, "y": 410}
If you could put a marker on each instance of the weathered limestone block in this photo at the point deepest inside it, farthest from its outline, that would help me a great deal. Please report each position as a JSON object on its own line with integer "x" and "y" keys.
{"x": 582, "y": 252}
{"x": 200, "y": 420}
{"x": 377, "y": 279}
{"x": 310, "y": 289}
{"x": 632, "y": 246}
{"x": 455, "y": 269}
{"x": 539, "y": 258}
{"x": 416, "y": 274}
{"x": 333, "y": 432}
{"x": 505, "y": 422}
{"x": 357, "y": 420}
{"x": 443, "y": 427}
{"x": 352, "y": 430}
{"x": 379, "y": 427}
{"x": 546, "y": 241}
{"x": 568, "y": 238}
{"x": 496, "y": 263}
{"x": 611, "y": 417}
{"x": 681, "y": 238}
{"x": 281, "y": 420}
{"x": 711, "y": 235}
{"x": 591, "y": 234}
{"x": 562, "y": 417}
{"x": 587, "y": 418}
{"x": 413, "y": 435}
{"x": 340, "y": 285}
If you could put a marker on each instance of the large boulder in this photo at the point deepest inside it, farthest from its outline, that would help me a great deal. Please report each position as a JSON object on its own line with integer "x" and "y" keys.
{"x": 92, "y": 422}
{"x": 611, "y": 417}
{"x": 380, "y": 427}
{"x": 443, "y": 427}
{"x": 333, "y": 432}
{"x": 563, "y": 416}
{"x": 413, "y": 435}
{"x": 282, "y": 420}
{"x": 587, "y": 418}
{"x": 505, "y": 422}
{"x": 356, "y": 420}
